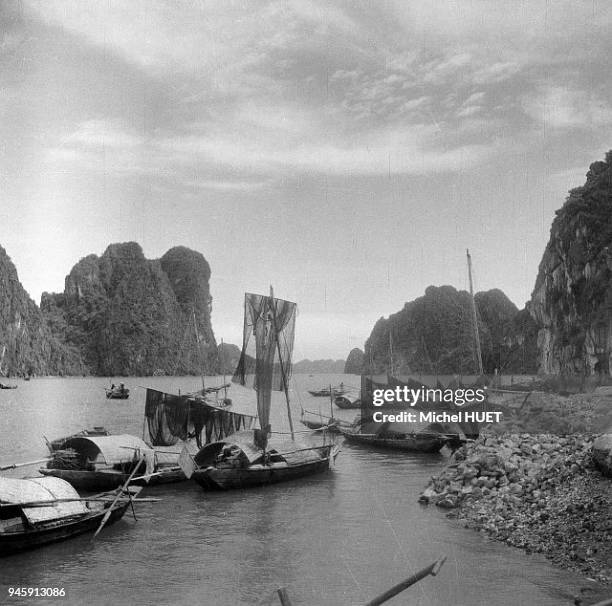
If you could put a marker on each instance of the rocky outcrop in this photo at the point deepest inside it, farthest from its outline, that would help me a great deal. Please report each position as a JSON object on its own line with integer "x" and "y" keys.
{"x": 572, "y": 298}
{"x": 602, "y": 454}
{"x": 127, "y": 315}
{"x": 536, "y": 492}
{"x": 434, "y": 335}
{"x": 354, "y": 362}
{"x": 27, "y": 345}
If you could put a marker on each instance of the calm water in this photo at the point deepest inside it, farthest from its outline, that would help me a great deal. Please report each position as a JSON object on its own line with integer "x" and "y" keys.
{"x": 337, "y": 539}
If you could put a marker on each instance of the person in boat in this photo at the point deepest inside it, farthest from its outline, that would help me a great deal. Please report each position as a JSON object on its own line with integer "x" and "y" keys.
{"x": 112, "y": 386}
{"x": 122, "y": 388}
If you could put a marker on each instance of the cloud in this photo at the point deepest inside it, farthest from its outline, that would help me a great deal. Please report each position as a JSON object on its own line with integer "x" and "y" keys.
{"x": 561, "y": 108}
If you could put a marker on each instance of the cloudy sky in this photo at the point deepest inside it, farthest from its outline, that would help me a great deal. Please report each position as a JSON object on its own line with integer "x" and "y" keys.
{"x": 346, "y": 152}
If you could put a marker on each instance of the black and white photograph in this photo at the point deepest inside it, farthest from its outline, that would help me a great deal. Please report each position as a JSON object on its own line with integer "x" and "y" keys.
{"x": 305, "y": 302}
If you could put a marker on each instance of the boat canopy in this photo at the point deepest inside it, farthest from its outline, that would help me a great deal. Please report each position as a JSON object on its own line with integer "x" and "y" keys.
{"x": 245, "y": 442}
{"x": 115, "y": 450}
{"x": 16, "y": 492}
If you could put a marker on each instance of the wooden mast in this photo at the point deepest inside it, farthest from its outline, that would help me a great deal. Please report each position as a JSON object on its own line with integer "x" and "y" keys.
{"x": 474, "y": 316}
{"x": 280, "y": 361}
{"x": 197, "y": 336}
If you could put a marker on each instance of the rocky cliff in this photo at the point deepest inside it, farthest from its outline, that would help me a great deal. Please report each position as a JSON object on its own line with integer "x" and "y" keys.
{"x": 127, "y": 315}
{"x": 354, "y": 362}
{"x": 572, "y": 298}
{"x": 434, "y": 335}
{"x": 27, "y": 345}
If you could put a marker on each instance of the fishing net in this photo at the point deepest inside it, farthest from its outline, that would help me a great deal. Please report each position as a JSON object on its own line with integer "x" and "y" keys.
{"x": 172, "y": 418}
{"x": 267, "y": 346}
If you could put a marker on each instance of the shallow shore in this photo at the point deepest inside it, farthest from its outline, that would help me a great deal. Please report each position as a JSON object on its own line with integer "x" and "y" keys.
{"x": 541, "y": 493}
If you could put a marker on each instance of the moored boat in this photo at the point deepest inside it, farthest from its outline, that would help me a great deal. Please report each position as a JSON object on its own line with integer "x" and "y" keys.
{"x": 349, "y": 400}
{"x": 7, "y": 386}
{"x": 37, "y": 511}
{"x": 408, "y": 437}
{"x": 95, "y": 463}
{"x": 238, "y": 463}
{"x": 249, "y": 459}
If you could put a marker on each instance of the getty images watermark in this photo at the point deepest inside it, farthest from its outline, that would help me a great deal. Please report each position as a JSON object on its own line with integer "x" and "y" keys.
{"x": 404, "y": 396}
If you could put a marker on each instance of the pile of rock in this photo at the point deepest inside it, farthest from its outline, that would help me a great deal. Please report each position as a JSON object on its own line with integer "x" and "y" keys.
{"x": 539, "y": 492}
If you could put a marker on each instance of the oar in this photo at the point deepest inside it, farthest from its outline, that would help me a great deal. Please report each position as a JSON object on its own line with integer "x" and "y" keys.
{"x": 432, "y": 570}
{"x": 83, "y": 499}
{"x": 119, "y": 494}
{"x": 15, "y": 465}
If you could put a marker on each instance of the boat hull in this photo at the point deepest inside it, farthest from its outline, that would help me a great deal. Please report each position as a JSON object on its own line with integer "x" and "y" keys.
{"x": 118, "y": 396}
{"x": 227, "y": 478}
{"x": 95, "y": 481}
{"x": 347, "y": 404}
{"x": 53, "y": 532}
{"x": 410, "y": 443}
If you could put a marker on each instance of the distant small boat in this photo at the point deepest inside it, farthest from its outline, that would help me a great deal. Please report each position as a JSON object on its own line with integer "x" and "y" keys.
{"x": 314, "y": 420}
{"x": 328, "y": 391}
{"x": 39, "y": 511}
{"x": 117, "y": 393}
{"x": 7, "y": 386}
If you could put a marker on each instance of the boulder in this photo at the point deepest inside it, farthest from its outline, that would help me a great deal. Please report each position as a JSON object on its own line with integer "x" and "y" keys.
{"x": 602, "y": 454}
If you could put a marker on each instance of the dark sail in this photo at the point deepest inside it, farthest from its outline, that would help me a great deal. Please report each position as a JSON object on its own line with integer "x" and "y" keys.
{"x": 269, "y": 330}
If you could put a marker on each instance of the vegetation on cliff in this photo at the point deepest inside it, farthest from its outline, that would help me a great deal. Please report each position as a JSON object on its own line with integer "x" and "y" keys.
{"x": 354, "y": 362}
{"x": 434, "y": 335}
{"x": 27, "y": 345}
{"x": 572, "y": 297}
{"x": 127, "y": 315}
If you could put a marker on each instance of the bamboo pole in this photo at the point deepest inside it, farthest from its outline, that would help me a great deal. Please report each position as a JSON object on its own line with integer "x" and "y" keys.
{"x": 432, "y": 570}
{"x": 122, "y": 490}
{"x": 15, "y": 465}
{"x": 73, "y": 500}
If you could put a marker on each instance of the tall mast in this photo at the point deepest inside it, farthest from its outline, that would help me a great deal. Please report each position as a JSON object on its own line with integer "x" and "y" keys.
{"x": 280, "y": 361}
{"x": 474, "y": 317}
{"x": 197, "y": 336}
{"x": 223, "y": 366}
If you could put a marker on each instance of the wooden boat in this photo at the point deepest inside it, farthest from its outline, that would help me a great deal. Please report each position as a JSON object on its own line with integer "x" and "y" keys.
{"x": 408, "y": 437}
{"x": 349, "y": 400}
{"x": 7, "y": 386}
{"x": 27, "y": 522}
{"x": 60, "y": 443}
{"x": 117, "y": 393}
{"x": 95, "y": 463}
{"x": 238, "y": 463}
{"x": 249, "y": 459}
{"x": 327, "y": 392}
{"x": 314, "y": 420}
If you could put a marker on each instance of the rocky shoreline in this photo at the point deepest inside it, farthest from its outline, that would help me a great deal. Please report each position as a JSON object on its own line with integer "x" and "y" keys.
{"x": 539, "y": 492}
